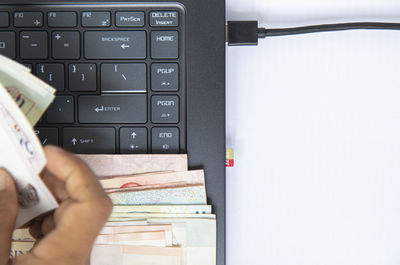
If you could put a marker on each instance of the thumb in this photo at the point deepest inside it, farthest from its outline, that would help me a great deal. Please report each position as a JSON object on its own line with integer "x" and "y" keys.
{"x": 8, "y": 213}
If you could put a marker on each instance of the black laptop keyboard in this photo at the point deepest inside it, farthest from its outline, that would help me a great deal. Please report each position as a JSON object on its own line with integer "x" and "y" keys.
{"x": 119, "y": 71}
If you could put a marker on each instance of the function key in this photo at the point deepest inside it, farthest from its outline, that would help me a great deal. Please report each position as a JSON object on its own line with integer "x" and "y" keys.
{"x": 62, "y": 19}
{"x": 164, "y": 19}
{"x": 28, "y": 19}
{"x": 7, "y": 44}
{"x": 96, "y": 19}
{"x": 4, "y": 19}
{"x": 129, "y": 19}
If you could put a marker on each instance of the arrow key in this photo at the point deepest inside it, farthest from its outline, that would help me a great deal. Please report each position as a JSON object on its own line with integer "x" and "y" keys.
{"x": 133, "y": 140}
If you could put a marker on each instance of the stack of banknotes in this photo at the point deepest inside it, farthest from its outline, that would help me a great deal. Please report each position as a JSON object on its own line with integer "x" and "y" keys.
{"x": 160, "y": 213}
{"x": 160, "y": 217}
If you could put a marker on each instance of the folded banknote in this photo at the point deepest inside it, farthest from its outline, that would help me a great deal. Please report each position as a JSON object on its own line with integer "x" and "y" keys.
{"x": 22, "y": 155}
{"x": 191, "y": 177}
{"x": 135, "y": 255}
{"x": 123, "y": 165}
{"x": 190, "y": 194}
{"x": 32, "y": 95}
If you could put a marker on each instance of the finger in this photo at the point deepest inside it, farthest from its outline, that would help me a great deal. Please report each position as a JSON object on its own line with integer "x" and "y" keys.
{"x": 8, "y": 214}
{"x": 35, "y": 229}
{"x": 60, "y": 212}
{"x": 79, "y": 222}
{"x": 48, "y": 225}
{"x": 80, "y": 182}
{"x": 55, "y": 185}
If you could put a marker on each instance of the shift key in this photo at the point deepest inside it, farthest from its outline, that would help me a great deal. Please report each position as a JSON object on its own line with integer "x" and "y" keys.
{"x": 113, "y": 109}
{"x": 89, "y": 140}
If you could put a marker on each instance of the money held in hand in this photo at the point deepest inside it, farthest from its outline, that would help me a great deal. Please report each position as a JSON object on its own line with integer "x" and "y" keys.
{"x": 159, "y": 217}
{"x": 21, "y": 153}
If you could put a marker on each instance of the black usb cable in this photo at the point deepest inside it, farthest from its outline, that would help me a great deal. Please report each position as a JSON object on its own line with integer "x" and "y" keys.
{"x": 247, "y": 32}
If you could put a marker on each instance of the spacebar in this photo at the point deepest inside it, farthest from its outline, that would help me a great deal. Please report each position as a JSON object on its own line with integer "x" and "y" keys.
{"x": 113, "y": 109}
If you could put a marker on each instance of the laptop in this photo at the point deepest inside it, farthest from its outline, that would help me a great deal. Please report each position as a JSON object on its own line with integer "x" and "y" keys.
{"x": 137, "y": 77}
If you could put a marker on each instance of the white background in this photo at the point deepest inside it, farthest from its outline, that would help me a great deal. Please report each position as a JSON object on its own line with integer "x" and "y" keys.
{"x": 315, "y": 124}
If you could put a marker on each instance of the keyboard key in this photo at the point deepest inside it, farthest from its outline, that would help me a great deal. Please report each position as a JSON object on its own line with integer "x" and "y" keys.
{"x": 129, "y": 19}
{"x": 165, "y": 140}
{"x": 164, "y": 44}
{"x": 133, "y": 140}
{"x": 62, "y": 19}
{"x": 87, "y": 140}
{"x": 33, "y": 45}
{"x": 61, "y": 110}
{"x": 123, "y": 78}
{"x": 4, "y": 19}
{"x": 47, "y": 135}
{"x": 96, "y": 19}
{"x": 165, "y": 77}
{"x": 66, "y": 45}
{"x": 53, "y": 74}
{"x": 115, "y": 44}
{"x": 165, "y": 109}
{"x": 7, "y": 44}
{"x": 164, "y": 19}
{"x": 113, "y": 109}
{"x": 82, "y": 77}
{"x": 28, "y": 19}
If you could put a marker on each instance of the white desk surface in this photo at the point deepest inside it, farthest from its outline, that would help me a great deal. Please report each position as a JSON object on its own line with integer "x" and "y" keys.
{"x": 315, "y": 124}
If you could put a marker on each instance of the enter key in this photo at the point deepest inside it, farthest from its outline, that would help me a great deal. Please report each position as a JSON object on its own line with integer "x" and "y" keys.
{"x": 113, "y": 109}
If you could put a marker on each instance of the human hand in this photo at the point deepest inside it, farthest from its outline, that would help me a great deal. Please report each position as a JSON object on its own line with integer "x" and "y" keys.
{"x": 67, "y": 235}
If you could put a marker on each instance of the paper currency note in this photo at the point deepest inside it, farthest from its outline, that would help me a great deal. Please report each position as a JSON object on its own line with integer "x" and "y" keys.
{"x": 32, "y": 95}
{"x": 122, "y": 165}
{"x": 22, "y": 234}
{"x": 134, "y": 228}
{"x": 191, "y": 177}
{"x": 191, "y": 194}
{"x": 22, "y": 155}
{"x": 20, "y": 248}
{"x": 196, "y": 236}
{"x": 191, "y": 209}
{"x": 125, "y": 216}
{"x": 149, "y": 238}
{"x": 135, "y": 255}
